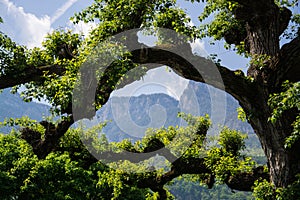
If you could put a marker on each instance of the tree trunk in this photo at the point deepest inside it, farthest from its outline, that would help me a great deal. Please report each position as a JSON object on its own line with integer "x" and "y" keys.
{"x": 264, "y": 23}
{"x": 283, "y": 163}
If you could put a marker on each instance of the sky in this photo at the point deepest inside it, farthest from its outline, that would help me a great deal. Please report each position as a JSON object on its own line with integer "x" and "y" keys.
{"x": 28, "y": 21}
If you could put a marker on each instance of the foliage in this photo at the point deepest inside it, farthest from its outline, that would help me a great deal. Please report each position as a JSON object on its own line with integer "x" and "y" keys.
{"x": 66, "y": 174}
{"x": 263, "y": 190}
{"x": 291, "y": 192}
{"x": 241, "y": 114}
{"x": 12, "y": 57}
{"x": 24, "y": 121}
{"x": 69, "y": 172}
{"x": 232, "y": 141}
{"x": 61, "y": 175}
{"x": 226, "y": 159}
{"x": 57, "y": 90}
{"x": 17, "y": 159}
{"x": 288, "y": 99}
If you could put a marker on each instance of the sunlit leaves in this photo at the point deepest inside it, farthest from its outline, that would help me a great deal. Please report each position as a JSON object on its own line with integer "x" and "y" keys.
{"x": 13, "y": 57}
{"x": 264, "y": 190}
{"x": 288, "y": 3}
{"x": 288, "y": 99}
{"x": 66, "y": 180}
{"x": 22, "y": 122}
{"x": 223, "y": 19}
{"x": 60, "y": 39}
{"x": 232, "y": 141}
{"x": 176, "y": 19}
{"x": 241, "y": 114}
{"x": 118, "y": 16}
{"x": 59, "y": 176}
{"x": 17, "y": 159}
{"x": 59, "y": 48}
{"x": 226, "y": 159}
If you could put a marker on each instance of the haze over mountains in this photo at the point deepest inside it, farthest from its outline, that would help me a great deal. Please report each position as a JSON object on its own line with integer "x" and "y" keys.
{"x": 12, "y": 105}
{"x": 131, "y": 116}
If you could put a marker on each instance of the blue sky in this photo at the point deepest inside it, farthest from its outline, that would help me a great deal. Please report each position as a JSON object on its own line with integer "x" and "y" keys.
{"x": 28, "y": 21}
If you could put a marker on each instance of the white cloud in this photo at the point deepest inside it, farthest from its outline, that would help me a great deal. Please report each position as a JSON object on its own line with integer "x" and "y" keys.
{"x": 82, "y": 27}
{"x": 190, "y": 23}
{"x": 198, "y": 48}
{"x": 59, "y": 12}
{"x": 159, "y": 80}
{"x": 28, "y": 29}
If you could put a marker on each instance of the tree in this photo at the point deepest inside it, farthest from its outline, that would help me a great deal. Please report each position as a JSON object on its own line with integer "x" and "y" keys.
{"x": 63, "y": 174}
{"x": 253, "y": 28}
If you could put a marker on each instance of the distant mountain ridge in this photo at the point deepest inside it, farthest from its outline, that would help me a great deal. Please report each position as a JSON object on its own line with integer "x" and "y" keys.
{"x": 12, "y": 105}
{"x": 129, "y": 117}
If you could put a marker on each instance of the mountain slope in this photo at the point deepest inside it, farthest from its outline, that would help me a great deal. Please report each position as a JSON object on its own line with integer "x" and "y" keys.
{"x": 12, "y": 105}
{"x": 131, "y": 116}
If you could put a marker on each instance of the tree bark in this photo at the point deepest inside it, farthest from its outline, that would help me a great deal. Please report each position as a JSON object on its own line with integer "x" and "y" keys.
{"x": 283, "y": 163}
{"x": 30, "y": 74}
{"x": 264, "y": 24}
{"x": 253, "y": 97}
{"x": 43, "y": 146}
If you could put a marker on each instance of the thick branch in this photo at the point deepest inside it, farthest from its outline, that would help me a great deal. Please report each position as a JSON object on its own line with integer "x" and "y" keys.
{"x": 243, "y": 181}
{"x": 199, "y": 69}
{"x": 43, "y": 146}
{"x": 178, "y": 57}
{"x": 287, "y": 66}
{"x": 30, "y": 74}
{"x": 264, "y": 22}
{"x": 134, "y": 156}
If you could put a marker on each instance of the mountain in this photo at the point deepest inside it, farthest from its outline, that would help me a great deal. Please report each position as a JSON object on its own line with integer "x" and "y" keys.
{"x": 132, "y": 116}
{"x": 129, "y": 117}
{"x": 12, "y": 105}
{"x": 220, "y": 106}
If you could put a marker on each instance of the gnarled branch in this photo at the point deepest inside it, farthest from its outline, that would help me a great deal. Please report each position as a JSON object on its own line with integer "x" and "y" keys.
{"x": 287, "y": 66}
{"x": 29, "y": 74}
{"x": 199, "y": 69}
{"x": 43, "y": 146}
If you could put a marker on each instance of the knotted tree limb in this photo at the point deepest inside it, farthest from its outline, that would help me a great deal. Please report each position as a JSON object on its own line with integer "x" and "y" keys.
{"x": 43, "y": 146}
{"x": 287, "y": 65}
{"x": 242, "y": 181}
{"x": 264, "y": 22}
{"x": 29, "y": 74}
